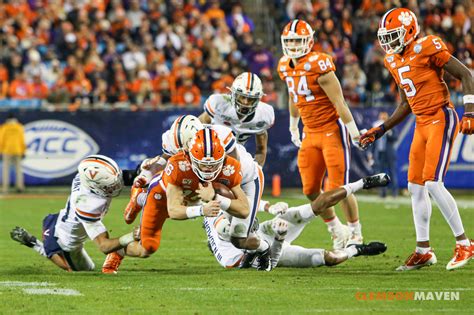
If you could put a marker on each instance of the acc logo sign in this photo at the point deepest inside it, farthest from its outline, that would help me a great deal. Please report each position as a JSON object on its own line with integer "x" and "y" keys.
{"x": 55, "y": 148}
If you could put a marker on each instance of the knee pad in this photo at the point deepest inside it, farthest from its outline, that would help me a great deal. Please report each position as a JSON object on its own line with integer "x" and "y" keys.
{"x": 432, "y": 186}
{"x": 150, "y": 246}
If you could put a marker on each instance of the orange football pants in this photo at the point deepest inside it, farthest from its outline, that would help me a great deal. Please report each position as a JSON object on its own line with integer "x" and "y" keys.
{"x": 432, "y": 144}
{"x": 324, "y": 150}
{"x": 155, "y": 213}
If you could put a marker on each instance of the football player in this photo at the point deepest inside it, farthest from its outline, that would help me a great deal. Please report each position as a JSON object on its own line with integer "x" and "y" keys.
{"x": 417, "y": 66}
{"x": 243, "y": 112}
{"x": 281, "y": 231}
{"x": 98, "y": 180}
{"x": 177, "y": 193}
{"x": 174, "y": 141}
{"x": 316, "y": 96}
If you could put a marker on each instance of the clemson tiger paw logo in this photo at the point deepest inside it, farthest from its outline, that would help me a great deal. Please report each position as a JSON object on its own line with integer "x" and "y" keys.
{"x": 228, "y": 170}
{"x": 184, "y": 166}
{"x": 405, "y": 18}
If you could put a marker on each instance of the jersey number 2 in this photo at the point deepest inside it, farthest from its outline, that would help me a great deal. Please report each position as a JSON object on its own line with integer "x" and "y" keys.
{"x": 411, "y": 91}
{"x": 302, "y": 89}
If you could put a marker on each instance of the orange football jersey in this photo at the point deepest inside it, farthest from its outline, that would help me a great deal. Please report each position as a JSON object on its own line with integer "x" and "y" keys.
{"x": 178, "y": 172}
{"x": 314, "y": 106}
{"x": 419, "y": 72}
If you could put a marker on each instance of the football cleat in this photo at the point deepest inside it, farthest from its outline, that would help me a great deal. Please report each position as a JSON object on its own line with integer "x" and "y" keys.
{"x": 112, "y": 263}
{"x": 340, "y": 236}
{"x": 378, "y": 180}
{"x": 462, "y": 254}
{"x": 264, "y": 261}
{"x": 22, "y": 236}
{"x": 247, "y": 260}
{"x": 418, "y": 260}
{"x": 371, "y": 249}
{"x": 133, "y": 208}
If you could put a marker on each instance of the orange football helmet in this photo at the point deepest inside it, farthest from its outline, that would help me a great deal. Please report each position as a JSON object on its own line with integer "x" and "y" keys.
{"x": 297, "y": 39}
{"x": 398, "y": 28}
{"x": 207, "y": 154}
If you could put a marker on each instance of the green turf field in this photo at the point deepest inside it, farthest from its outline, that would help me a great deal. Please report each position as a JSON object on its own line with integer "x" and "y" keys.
{"x": 183, "y": 277}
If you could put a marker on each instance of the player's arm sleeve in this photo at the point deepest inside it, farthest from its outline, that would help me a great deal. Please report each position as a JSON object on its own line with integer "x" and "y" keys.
{"x": 438, "y": 51}
{"x": 229, "y": 142}
{"x": 209, "y": 107}
{"x": 90, "y": 217}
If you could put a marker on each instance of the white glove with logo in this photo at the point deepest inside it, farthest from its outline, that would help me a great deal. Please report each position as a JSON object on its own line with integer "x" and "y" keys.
{"x": 280, "y": 227}
{"x": 278, "y": 208}
{"x": 295, "y": 137}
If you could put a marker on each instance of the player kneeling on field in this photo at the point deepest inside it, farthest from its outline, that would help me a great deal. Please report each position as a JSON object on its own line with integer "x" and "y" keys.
{"x": 281, "y": 231}
{"x": 99, "y": 179}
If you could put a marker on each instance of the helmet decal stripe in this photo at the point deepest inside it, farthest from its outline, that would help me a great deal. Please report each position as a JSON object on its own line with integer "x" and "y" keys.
{"x": 382, "y": 24}
{"x": 249, "y": 75}
{"x": 251, "y": 82}
{"x": 207, "y": 142}
{"x": 293, "y": 25}
{"x": 103, "y": 162}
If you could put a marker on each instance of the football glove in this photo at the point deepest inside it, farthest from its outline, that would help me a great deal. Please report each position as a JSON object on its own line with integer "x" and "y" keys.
{"x": 278, "y": 208}
{"x": 295, "y": 136}
{"x": 467, "y": 123}
{"x": 370, "y": 136}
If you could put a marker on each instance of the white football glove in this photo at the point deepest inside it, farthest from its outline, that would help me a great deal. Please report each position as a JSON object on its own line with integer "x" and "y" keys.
{"x": 280, "y": 227}
{"x": 278, "y": 208}
{"x": 142, "y": 179}
{"x": 295, "y": 136}
{"x": 356, "y": 142}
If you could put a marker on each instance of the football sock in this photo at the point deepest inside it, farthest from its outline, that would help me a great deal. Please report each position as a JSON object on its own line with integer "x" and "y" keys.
{"x": 275, "y": 252}
{"x": 355, "y": 227}
{"x": 423, "y": 250}
{"x": 421, "y": 207}
{"x": 447, "y": 205}
{"x": 333, "y": 223}
{"x": 351, "y": 251}
{"x": 141, "y": 198}
{"x": 39, "y": 247}
{"x": 263, "y": 246}
{"x": 121, "y": 252}
{"x": 464, "y": 242}
{"x": 353, "y": 187}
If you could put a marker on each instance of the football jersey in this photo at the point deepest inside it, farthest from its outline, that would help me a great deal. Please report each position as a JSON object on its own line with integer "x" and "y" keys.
{"x": 169, "y": 142}
{"x": 178, "y": 172}
{"x": 248, "y": 165}
{"x": 313, "y": 104}
{"x": 76, "y": 221}
{"x": 418, "y": 71}
{"x": 222, "y": 112}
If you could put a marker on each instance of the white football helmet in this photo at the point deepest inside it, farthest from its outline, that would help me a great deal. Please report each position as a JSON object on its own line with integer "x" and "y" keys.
{"x": 101, "y": 175}
{"x": 246, "y": 91}
{"x": 222, "y": 226}
{"x": 183, "y": 129}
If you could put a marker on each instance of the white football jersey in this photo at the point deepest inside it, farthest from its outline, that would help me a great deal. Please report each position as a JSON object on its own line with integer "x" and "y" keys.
{"x": 82, "y": 217}
{"x": 169, "y": 142}
{"x": 248, "y": 165}
{"x": 220, "y": 108}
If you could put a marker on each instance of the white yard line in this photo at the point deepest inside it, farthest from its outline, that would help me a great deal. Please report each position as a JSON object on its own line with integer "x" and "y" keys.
{"x": 52, "y": 291}
{"x": 25, "y": 284}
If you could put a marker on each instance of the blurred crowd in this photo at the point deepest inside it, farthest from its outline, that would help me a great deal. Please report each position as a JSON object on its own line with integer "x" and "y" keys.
{"x": 150, "y": 54}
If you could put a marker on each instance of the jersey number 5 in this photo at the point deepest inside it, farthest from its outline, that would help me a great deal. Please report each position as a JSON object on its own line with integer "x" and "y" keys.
{"x": 411, "y": 91}
{"x": 302, "y": 89}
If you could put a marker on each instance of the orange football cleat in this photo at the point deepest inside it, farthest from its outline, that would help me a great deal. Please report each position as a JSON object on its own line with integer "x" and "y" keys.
{"x": 417, "y": 261}
{"x": 133, "y": 208}
{"x": 112, "y": 263}
{"x": 462, "y": 254}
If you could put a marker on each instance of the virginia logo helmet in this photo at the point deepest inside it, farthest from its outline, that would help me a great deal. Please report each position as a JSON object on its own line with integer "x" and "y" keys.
{"x": 183, "y": 129}
{"x": 246, "y": 92}
{"x": 101, "y": 175}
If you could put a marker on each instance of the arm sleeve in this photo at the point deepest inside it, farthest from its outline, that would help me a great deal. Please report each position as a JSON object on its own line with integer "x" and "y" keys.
{"x": 93, "y": 229}
{"x": 229, "y": 143}
{"x": 209, "y": 107}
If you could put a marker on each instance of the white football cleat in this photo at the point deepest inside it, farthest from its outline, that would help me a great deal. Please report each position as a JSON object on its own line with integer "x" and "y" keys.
{"x": 340, "y": 236}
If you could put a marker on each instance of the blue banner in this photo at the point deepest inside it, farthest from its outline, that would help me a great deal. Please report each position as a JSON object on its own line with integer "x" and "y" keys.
{"x": 58, "y": 141}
